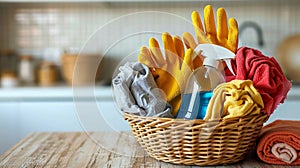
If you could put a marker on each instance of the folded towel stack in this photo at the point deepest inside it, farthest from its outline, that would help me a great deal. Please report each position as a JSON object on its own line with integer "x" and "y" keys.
{"x": 236, "y": 98}
{"x": 265, "y": 73}
{"x": 279, "y": 143}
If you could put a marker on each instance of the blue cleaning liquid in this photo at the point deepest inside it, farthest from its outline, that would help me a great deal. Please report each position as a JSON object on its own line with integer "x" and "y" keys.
{"x": 199, "y": 107}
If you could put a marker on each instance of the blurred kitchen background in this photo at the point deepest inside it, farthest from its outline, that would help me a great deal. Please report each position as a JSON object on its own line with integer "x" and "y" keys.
{"x": 39, "y": 41}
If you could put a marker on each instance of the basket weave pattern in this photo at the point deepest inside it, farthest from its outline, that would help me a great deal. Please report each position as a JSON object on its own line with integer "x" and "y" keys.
{"x": 196, "y": 142}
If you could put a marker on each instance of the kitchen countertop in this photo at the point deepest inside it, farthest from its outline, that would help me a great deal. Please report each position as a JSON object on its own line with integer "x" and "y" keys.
{"x": 69, "y": 93}
{"x": 78, "y": 149}
{"x": 60, "y": 92}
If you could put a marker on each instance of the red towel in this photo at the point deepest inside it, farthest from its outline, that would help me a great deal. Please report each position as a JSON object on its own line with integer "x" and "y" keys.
{"x": 265, "y": 73}
{"x": 279, "y": 143}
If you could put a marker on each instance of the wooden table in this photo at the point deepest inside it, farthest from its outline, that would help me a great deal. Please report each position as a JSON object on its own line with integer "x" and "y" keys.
{"x": 81, "y": 150}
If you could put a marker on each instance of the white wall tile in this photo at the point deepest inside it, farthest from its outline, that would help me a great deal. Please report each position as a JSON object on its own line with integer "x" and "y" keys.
{"x": 34, "y": 28}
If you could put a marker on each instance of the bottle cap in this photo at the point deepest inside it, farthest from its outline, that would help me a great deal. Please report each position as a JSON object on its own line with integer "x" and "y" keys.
{"x": 210, "y": 62}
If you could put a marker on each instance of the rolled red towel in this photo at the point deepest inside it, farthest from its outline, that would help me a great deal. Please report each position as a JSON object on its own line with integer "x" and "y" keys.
{"x": 265, "y": 73}
{"x": 279, "y": 143}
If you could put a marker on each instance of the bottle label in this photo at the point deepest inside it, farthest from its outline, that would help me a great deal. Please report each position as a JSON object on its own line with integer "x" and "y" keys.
{"x": 197, "y": 108}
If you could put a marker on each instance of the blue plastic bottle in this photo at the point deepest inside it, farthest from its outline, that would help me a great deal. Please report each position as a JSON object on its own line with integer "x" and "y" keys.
{"x": 202, "y": 81}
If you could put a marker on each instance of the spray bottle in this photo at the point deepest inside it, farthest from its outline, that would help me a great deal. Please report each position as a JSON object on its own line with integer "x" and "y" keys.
{"x": 203, "y": 80}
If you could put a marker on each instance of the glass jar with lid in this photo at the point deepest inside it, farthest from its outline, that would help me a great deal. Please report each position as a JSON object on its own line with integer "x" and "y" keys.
{"x": 26, "y": 70}
{"x": 9, "y": 80}
{"x": 47, "y": 73}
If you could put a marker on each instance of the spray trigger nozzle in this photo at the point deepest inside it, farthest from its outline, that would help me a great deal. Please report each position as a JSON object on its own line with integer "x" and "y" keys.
{"x": 213, "y": 53}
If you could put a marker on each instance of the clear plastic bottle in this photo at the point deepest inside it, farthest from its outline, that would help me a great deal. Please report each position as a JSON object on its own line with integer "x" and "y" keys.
{"x": 198, "y": 92}
{"x": 202, "y": 81}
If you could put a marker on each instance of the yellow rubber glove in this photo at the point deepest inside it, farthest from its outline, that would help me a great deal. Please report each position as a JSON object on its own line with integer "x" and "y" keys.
{"x": 236, "y": 98}
{"x": 190, "y": 43}
{"x": 224, "y": 36}
{"x": 171, "y": 70}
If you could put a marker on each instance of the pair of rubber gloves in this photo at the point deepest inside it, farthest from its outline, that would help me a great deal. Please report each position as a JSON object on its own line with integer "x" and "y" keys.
{"x": 169, "y": 70}
{"x": 172, "y": 70}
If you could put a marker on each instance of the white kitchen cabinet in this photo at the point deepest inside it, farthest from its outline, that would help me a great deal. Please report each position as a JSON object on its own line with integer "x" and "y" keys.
{"x": 18, "y": 119}
{"x": 99, "y": 116}
{"x": 26, "y": 110}
{"x": 9, "y": 126}
{"x": 112, "y": 116}
{"x": 286, "y": 111}
{"x": 47, "y": 116}
{"x": 33, "y": 109}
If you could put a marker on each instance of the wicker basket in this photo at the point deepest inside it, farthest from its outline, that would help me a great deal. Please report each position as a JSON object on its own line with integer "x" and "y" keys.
{"x": 196, "y": 142}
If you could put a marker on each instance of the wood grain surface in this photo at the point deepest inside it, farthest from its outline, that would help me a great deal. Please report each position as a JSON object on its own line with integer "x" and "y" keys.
{"x": 80, "y": 150}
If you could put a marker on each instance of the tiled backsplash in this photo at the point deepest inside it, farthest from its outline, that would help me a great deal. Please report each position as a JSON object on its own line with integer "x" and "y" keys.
{"x": 44, "y": 30}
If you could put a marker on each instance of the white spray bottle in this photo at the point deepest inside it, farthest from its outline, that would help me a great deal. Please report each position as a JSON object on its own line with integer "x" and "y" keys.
{"x": 203, "y": 80}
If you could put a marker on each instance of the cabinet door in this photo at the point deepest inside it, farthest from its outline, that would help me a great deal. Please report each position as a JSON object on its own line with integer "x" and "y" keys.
{"x": 9, "y": 126}
{"x": 289, "y": 110}
{"x": 18, "y": 119}
{"x": 113, "y": 117}
{"x": 100, "y": 116}
{"x": 48, "y": 116}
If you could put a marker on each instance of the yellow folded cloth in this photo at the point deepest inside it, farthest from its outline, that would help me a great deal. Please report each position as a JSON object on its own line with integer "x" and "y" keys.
{"x": 236, "y": 98}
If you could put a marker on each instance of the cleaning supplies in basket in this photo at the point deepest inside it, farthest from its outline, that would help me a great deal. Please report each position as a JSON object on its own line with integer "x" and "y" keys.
{"x": 202, "y": 82}
{"x": 228, "y": 128}
{"x": 136, "y": 92}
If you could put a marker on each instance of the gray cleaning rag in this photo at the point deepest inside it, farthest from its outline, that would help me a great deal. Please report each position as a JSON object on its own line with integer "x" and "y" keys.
{"x": 135, "y": 91}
